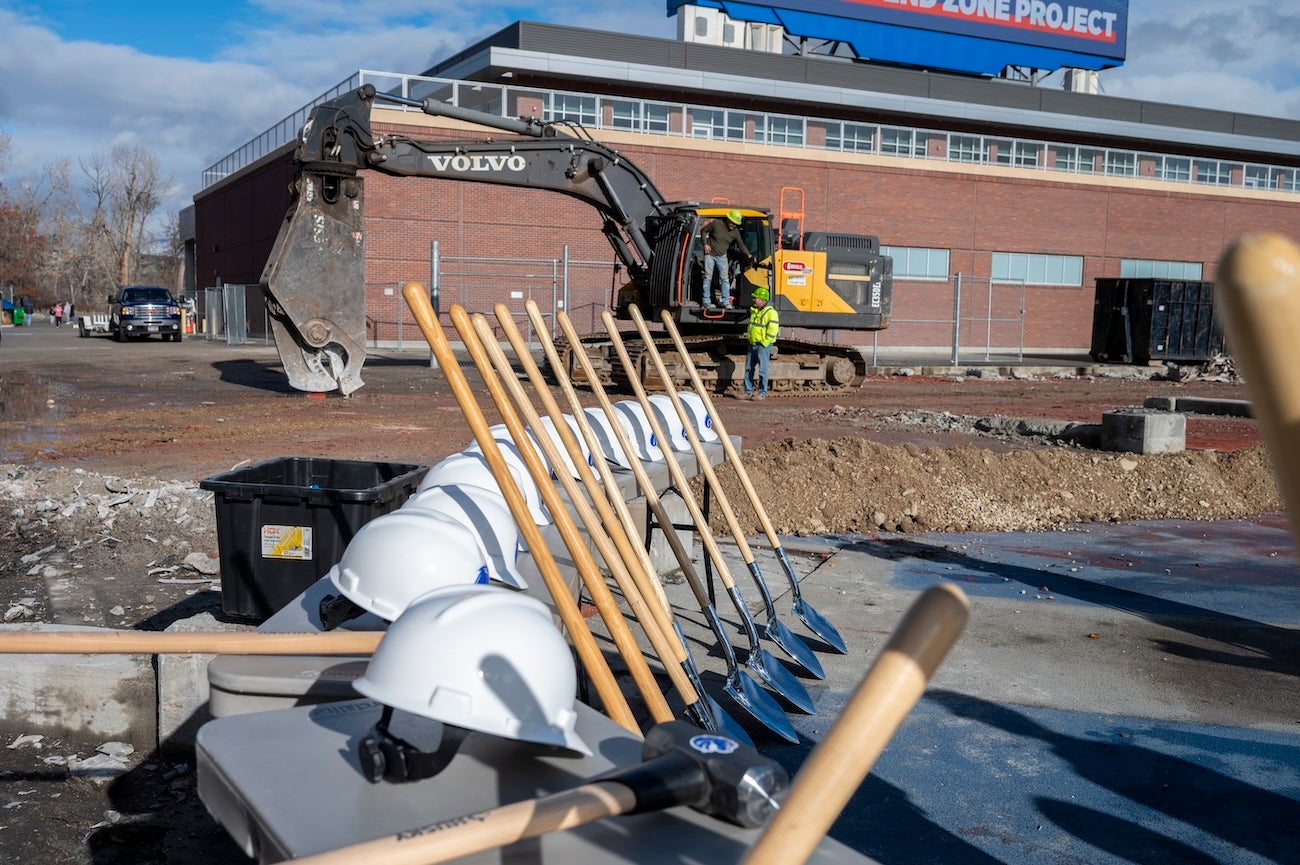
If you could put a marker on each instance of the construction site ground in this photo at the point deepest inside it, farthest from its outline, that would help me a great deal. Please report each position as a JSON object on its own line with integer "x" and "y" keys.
{"x": 1122, "y": 601}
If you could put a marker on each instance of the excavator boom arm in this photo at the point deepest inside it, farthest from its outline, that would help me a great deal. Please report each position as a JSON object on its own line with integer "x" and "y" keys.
{"x": 314, "y": 279}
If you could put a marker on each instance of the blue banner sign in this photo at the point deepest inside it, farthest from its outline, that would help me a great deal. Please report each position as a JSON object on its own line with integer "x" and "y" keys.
{"x": 1045, "y": 34}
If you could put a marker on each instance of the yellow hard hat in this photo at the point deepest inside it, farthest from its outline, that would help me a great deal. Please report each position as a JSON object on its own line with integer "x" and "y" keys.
{"x": 734, "y": 216}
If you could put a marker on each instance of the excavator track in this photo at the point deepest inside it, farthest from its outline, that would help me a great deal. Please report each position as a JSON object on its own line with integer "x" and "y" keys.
{"x": 798, "y": 367}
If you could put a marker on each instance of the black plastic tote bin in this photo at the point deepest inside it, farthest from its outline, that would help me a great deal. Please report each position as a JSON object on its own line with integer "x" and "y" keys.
{"x": 282, "y": 524}
{"x": 1140, "y": 320}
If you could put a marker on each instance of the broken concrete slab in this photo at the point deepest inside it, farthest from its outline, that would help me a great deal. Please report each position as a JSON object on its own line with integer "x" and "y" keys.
{"x": 1201, "y": 405}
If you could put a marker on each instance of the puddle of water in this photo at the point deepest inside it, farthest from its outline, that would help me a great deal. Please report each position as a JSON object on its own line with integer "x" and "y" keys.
{"x": 25, "y": 413}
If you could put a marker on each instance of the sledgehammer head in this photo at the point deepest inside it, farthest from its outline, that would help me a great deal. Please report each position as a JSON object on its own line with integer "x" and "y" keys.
{"x": 711, "y": 773}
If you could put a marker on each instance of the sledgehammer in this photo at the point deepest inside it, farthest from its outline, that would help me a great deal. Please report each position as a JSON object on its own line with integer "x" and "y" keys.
{"x": 684, "y": 765}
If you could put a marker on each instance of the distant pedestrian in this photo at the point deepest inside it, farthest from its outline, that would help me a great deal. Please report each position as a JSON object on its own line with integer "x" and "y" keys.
{"x": 51, "y": 315}
{"x": 58, "y": 314}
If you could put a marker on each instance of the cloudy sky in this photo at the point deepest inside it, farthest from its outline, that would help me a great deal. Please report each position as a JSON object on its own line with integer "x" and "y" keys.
{"x": 192, "y": 84}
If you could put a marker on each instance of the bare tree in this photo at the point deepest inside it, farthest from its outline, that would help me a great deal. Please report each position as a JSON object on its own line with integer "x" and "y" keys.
{"x": 68, "y": 238}
{"x": 22, "y": 246}
{"x": 136, "y": 188}
{"x": 82, "y": 262}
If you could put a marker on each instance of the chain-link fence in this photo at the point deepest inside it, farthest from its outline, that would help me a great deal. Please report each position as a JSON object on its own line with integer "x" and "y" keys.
{"x": 962, "y": 319}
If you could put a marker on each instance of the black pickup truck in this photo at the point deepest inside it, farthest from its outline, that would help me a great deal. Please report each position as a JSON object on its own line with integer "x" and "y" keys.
{"x": 142, "y": 310}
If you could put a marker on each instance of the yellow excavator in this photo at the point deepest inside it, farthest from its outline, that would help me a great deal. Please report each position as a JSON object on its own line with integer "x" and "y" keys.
{"x": 314, "y": 279}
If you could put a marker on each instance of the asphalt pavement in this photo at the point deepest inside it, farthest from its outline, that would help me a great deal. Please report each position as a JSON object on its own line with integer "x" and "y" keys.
{"x": 1122, "y": 693}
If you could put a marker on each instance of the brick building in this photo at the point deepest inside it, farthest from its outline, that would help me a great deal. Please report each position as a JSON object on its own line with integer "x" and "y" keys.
{"x": 1029, "y": 193}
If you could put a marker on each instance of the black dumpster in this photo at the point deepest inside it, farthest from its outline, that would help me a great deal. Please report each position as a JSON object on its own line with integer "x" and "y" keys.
{"x": 1141, "y": 320}
{"x": 282, "y": 524}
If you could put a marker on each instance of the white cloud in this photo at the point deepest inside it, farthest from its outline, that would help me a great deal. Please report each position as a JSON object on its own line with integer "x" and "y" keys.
{"x": 73, "y": 99}
{"x": 1210, "y": 55}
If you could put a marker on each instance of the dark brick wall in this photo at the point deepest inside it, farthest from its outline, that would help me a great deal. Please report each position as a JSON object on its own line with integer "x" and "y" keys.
{"x": 971, "y": 214}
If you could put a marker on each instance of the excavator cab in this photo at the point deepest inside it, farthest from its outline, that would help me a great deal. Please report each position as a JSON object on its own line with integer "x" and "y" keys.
{"x": 675, "y": 280}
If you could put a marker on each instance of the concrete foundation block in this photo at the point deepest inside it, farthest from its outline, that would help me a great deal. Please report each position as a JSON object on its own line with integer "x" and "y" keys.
{"x": 183, "y": 689}
{"x": 1143, "y": 431}
{"x": 106, "y": 697}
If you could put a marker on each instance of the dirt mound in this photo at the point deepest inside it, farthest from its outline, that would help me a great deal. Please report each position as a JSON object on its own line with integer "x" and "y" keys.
{"x": 812, "y": 487}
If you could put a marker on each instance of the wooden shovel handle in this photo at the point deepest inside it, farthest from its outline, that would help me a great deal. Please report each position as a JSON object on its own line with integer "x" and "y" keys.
{"x": 1258, "y": 294}
{"x": 610, "y": 614}
{"x": 697, "y": 447}
{"x": 728, "y": 447}
{"x": 593, "y": 661}
{"x": 846, "y": 754}
{"x": 20, "y": 642}
{"x": 670, "y": 459}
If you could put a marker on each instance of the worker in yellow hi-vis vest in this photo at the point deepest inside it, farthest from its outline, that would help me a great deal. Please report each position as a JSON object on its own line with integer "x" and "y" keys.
{"x": 764, "y": 323}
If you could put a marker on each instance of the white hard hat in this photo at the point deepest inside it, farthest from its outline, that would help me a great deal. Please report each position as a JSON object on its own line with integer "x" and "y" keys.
{"x": 403, "y": 554}
{"x": 605, "y": 436}
{"x": 551, "y": 430}
{"x": 669, "y": 422}
{"x": 484, "y": 512}
{"x": 699, "y": 415}
{"x": 470, "y": 467}
{"x": 481, "y": 658}
{"x": 640, "y": 435}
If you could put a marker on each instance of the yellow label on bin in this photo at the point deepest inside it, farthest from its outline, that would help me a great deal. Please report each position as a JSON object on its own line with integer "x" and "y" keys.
{"x": 286, "y": 542}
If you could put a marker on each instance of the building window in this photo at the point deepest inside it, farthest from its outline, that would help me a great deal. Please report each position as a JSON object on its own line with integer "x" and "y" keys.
{"x": 965, "y": 148}
{"x": 899, "y": 142}
{"x": 1136, "y": 268}
{"x": 572, "y": 107}
{"x": 784, "y": 130}
{"x": 701, "y": 26}
{"x": 850, "y": 136}
{"x": 728, "y": 34}
{"x": 655, "y": 117}
{"x": 706, "y": 123}
{"x": 1260, "y": 177}
{"x": 916, "y": 262}
{"x": 1010, "y": 151}
{"x": 1081, "y": 160}
{"x": 624, "y": 114}
{"x": 1037, "y": 269}
{"x": 1121, "y": 163}
{"x": 1027, "y": 154}
{"x": 736, "y": 126}
{"x": 1214, "y": 172}
{"x": 1176, "y": 168}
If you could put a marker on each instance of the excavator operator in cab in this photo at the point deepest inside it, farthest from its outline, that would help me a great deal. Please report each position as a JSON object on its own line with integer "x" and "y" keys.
{"x": 719, "y": 235}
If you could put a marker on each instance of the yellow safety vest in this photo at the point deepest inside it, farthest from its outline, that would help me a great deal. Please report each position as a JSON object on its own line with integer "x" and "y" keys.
{"x": 763, "y": 325}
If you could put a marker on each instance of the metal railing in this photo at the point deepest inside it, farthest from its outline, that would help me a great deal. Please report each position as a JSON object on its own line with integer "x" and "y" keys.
{"x": 689, "y": 120}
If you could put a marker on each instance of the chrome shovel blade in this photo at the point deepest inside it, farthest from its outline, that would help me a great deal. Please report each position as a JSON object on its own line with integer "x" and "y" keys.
{"x": 771, "y": 670}
{"x": 726, "y": 724}
{"x": 818, "y": 624}
{"x": 760, "y": 705}
{"x": 796, "y": 648}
